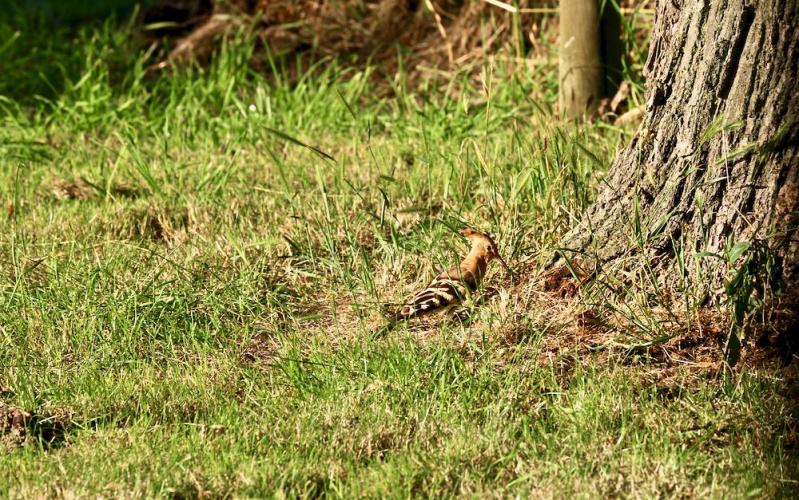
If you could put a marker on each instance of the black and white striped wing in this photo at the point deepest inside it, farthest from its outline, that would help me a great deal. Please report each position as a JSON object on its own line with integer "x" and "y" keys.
{"x": 441, "y": 293}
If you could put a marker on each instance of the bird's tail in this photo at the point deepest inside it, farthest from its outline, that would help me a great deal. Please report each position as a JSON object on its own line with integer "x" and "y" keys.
{"x": 384, "y": 330}
{"x": 394, "y": 313}
{"x": 394, "y": 317}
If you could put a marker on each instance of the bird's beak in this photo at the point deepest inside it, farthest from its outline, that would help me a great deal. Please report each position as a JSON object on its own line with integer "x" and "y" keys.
{"x": 505, "y": 265}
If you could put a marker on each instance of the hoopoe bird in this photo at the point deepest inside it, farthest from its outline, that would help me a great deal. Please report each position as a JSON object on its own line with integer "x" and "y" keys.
{"x": 450, "y": 288}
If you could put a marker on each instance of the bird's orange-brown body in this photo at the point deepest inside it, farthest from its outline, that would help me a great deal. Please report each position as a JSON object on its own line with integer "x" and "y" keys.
{"x": 449, "y": 288}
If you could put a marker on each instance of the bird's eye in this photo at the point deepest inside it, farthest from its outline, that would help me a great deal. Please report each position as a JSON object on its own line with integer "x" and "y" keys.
{"x": 489, "y": 248}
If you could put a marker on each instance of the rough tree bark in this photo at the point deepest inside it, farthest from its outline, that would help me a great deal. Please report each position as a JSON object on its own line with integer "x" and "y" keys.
{"x": 716, "y": 157}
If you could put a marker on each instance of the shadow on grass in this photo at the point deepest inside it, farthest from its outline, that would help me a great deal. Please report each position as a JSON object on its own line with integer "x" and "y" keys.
{"x": 43, "y": 43}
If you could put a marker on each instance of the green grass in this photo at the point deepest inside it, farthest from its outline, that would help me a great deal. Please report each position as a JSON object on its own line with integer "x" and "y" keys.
{"x": 202, "y": 322}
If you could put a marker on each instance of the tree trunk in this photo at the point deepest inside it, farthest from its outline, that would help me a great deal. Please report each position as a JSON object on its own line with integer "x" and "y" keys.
{"x": 581, "y": 75}
{"x": 714, "y": 161}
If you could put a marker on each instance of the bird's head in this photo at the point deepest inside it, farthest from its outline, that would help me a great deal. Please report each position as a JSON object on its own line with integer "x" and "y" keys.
{"x": 484, "y": 245}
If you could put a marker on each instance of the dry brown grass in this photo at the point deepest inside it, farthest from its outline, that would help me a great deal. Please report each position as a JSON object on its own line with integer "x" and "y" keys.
{"x": 432, "y": 36}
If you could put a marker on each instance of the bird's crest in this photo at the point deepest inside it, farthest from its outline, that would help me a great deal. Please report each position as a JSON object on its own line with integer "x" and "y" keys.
{"x": 473, "y": 235}
{"x": 484, "y": 244}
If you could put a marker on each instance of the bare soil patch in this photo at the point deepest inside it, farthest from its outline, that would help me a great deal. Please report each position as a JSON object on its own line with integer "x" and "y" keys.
{"x": 82, "y": 189}
{"x": 19, "y": 427}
